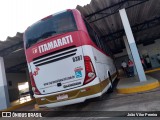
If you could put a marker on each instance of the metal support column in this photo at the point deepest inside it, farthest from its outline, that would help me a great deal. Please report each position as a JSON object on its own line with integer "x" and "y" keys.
{"x": 4, "y": 97}
{"x": 129, "y": 52}
{"x": 132, "y": 45}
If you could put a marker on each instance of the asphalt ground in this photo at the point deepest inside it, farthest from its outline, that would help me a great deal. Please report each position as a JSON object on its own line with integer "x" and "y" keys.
{"x": 106, "y": 107}
{"x": 111, "y": 105}
{"x": 155, "y": 75}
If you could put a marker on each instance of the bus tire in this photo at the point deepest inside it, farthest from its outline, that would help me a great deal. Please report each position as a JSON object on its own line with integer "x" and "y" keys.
{"x": 110, "y": 90}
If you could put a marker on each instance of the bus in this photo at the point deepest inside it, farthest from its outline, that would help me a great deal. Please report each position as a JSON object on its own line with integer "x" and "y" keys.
{"x": 68, "y": 62}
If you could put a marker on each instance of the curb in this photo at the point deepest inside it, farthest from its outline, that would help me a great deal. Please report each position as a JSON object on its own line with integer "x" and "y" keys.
{"x": 12, "y": 108}
{"x": 137, "y": 89}
{"x": 154, "y": 70}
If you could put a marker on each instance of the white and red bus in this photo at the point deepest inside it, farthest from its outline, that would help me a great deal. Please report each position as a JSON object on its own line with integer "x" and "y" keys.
{"x": 67, "y": 61}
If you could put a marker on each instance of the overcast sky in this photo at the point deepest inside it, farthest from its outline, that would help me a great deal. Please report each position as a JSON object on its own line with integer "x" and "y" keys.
{"x": 17, "y": 15}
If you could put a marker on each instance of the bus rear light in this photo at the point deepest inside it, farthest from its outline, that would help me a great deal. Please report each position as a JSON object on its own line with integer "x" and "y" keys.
{"x": 34, "y": 88}
{"x": 90, "y": 72}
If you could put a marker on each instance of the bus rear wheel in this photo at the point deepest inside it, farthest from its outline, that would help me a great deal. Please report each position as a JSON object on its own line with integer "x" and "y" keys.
{"x": 110, "y": 90}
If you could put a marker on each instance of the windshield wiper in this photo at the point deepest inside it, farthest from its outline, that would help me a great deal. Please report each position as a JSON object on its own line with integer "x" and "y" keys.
{"x": 47, "y": 34}
{"x": 37, "y": 39}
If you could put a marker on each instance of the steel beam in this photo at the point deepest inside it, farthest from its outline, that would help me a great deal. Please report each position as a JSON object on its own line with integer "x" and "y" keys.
{"x": 152, "y": 38}
{"x": 17, "y": 68}
{"x": 108, "y": 11}
{"x": 135, "y": 28}
{"x": 9, "y": 50}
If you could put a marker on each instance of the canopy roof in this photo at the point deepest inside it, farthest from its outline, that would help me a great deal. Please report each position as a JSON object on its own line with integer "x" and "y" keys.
{"x": 144, "y": 17}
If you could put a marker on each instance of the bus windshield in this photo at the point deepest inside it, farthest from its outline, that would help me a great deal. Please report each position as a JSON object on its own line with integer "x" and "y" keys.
{"x": 50, "y": 26}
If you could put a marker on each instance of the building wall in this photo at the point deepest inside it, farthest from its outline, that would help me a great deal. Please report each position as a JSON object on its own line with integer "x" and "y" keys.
{"x": 13, "y": 79}
{"x": 152, "y": 50}
{"x": 14, "y": 59}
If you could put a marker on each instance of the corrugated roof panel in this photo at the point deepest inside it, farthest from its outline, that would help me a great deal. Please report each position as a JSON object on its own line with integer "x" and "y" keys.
{"x": 110, "y": 24}
{"x": 137, "y": 14}
{"x": 11, "y": 41}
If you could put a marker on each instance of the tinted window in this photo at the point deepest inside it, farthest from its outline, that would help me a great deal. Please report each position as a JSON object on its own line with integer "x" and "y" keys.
{"x": 50, "y": 26}
{"x": 91, "y": 33}
{"x": 106, "y": 48}
{"x": 98, "y": 41}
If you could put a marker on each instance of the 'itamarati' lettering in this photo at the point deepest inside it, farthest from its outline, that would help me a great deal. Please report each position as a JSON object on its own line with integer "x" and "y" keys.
{"x": 55, "y": 43}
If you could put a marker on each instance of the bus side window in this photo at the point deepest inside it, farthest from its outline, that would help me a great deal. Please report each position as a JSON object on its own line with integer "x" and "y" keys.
{"x": 108, "y": 50}
{"x": 105, "y": 47}
{"x": 99, "y": 42}
{"x": 91, "y": 33}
